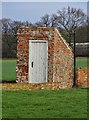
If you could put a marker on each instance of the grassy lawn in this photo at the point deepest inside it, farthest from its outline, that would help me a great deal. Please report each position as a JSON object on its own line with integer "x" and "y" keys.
{"x": 9, "y": 68}
{"x": 42, "y": 103}
{"x": 45, "y": 104}
{"x": 82, "y": 62}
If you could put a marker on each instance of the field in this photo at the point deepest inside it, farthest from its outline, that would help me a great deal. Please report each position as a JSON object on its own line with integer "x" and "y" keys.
{"x": 9, "y": 68}
{"x": 69, "y": 103}
{"x": 82, "y": 62}
{"x": 45, "y": 104}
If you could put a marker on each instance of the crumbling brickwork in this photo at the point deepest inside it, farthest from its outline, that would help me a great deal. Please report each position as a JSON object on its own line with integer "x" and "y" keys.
{"x": 83, "y": 77}
{"x": 60, "y": 56}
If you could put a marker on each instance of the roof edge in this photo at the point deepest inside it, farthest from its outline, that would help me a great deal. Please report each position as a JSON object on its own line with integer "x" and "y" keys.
{"x": 64, "y": 41}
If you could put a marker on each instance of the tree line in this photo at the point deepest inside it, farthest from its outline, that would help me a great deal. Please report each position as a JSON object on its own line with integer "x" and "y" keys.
{"x": 67, "y": 21}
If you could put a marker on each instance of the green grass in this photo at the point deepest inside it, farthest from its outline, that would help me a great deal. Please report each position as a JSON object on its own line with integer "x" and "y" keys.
{"x": 82, "y": 62}
{"x": 9, "y": 68}
{"x": 45, "y": 104}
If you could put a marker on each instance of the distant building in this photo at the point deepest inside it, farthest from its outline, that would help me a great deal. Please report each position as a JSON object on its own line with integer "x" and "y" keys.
{"x": 81, "y": 49}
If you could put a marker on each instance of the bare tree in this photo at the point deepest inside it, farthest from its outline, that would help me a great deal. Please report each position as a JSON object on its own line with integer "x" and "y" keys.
{"x": 45, "y": 21}
{"x": 9, "y": 30}
{"x": 48, "y": 20}
{"x": 70, "y": 19}
{"x": 54, "y": 20}
{"x": 39, "y": 23}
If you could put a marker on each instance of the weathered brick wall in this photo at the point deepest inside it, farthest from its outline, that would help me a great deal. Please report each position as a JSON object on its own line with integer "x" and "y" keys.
{"x": 60, "y": 57}
{"x": 63, "y": 61}
{"x": 24, "y": 35}
{"x": 83, "y": 77}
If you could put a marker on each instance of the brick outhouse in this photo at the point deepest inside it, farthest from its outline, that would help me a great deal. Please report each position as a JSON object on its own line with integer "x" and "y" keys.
{"x": 43, "y": 56}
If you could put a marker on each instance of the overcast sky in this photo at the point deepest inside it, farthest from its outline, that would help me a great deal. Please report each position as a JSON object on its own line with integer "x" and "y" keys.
{"x": 33, "y": 11}
{"x": 44, "y": 0}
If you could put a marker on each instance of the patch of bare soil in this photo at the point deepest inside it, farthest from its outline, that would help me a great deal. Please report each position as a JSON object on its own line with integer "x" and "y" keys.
{"x": 28, "y": 86}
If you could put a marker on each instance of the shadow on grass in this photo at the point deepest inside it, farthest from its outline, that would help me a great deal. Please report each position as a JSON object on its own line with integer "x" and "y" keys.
{"x": 5, "y": 81}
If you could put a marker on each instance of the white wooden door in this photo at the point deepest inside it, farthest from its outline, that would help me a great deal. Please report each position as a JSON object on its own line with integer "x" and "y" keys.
{"x": 38, "y": 61}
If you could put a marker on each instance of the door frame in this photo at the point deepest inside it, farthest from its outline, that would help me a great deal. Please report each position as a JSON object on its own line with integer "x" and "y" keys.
{"x": 29, "y": 60}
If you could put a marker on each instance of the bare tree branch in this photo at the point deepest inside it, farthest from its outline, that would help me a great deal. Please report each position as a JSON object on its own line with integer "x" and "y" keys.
{"x": 70, "y": 19}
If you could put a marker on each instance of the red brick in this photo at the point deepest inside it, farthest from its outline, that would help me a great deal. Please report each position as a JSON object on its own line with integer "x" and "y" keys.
{"x": 57, "y": 52}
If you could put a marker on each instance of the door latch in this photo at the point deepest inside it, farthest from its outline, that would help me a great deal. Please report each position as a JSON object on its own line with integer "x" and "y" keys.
{"x": 32, "y": 64}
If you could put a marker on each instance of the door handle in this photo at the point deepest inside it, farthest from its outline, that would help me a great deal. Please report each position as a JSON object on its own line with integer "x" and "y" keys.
{"x": 32, "y": 64}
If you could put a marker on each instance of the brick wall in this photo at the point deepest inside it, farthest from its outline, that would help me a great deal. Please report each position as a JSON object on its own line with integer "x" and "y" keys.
{"x": 83, "y": 77}
{"x": 60, "y": 56}
{"x": 63, "y": 61}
